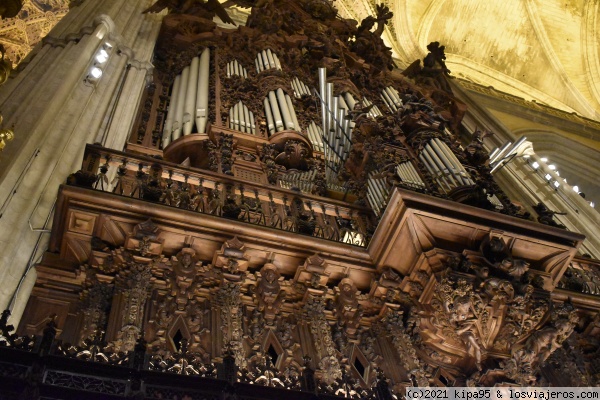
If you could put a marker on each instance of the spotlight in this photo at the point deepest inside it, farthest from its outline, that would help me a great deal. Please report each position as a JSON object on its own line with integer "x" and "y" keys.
{"x": 556, "y": 184}
{"x": 96, "y": 73}
{"x": 548, "y": 177}
{"x": 535, "y": 165}
{"x": 102, "y": 56}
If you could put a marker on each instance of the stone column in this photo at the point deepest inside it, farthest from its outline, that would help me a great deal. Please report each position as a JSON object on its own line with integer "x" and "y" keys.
{"x": 55, "y": 112}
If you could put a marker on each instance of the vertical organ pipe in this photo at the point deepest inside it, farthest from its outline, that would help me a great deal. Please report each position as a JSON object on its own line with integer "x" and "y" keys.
{"x": 277, "y": 63}
{"x": 323, "y": 90}
{"x": 190, "y": 97}
{"x": 269, "y": 115}
{"x": 287, "y": 117}
{"x": 265, "y": 59}
{"x": 271, "y": 59}
{"x": 452, "y": 170}
{"x": 235, "y": 117}
{"x": 178, "y": 121}
{"x": 292, "y": 112}
{"x": 276, "y": 114}
{"x": 247, "y": 118}
{"x": 203, "y": 88}
{"x": 167, "y": 130}
{"x": 252, "y": 123}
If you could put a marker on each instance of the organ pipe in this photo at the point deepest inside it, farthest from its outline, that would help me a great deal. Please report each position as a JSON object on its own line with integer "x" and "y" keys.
{"x": 190, "y": 97}
{"x": 269, "y": 115}
{"x": 167, "y": 130}
{"x": 178, "y": 121}
{"x": 285, "y": 112}
{"x": 276, "y": 114}
{"x": 202, "y": 95}
{"x": 292, "y": 112}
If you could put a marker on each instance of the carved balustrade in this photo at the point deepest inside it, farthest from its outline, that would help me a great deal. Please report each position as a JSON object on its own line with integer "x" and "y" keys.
{"x": 224, "y": 196}
{"x": 582, "y": 275}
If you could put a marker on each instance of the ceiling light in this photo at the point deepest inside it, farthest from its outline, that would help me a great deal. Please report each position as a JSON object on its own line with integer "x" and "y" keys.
{"x": 535, "y": 165}
{"x": 544, "y": 159}
{"x": 548, "y": 177}
{"x": 576, "y": 189}
{"x": 592, "y": 204}
{"x": 556, "y": 184}
{"x": 552, "y": 167}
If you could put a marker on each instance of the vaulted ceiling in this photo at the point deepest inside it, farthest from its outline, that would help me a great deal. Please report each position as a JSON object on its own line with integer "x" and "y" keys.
{"x": 542, "y": 50}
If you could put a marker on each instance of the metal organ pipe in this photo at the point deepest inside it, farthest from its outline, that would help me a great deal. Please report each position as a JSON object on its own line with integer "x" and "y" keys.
{"x": 202, "y": 95}
{"x": 246, "y": 118}
{"x": 178, "y": 121}
{"x": 441, "y": 157}
{"x": 269, "y": 115}
{"x": 271, "y": 59}
{"x": 276, "y": 114}
{"x": 323, "y": 94}
{"x": 252, "y": 123}
{"x": 167, "y": 130}
{"x": 292, "y": 112}
{"x": 287, "y": 117}
{"x": 190, "y": 97}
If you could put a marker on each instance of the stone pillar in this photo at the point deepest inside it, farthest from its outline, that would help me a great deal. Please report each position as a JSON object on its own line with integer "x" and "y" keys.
{"x": 55, "y": 112}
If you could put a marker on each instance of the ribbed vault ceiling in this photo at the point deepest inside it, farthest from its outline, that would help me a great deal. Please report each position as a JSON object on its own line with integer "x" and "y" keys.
{"x": 542, "y": 50}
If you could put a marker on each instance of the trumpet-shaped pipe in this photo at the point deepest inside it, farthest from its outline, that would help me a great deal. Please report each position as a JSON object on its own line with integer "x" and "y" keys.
{"x": 203, "y": 88}
{"x": 190, "y": 97}
{"x": 287, "y": 117}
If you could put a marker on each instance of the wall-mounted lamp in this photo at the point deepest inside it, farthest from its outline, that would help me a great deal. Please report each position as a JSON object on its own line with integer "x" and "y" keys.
{"x": 100, "y": 59}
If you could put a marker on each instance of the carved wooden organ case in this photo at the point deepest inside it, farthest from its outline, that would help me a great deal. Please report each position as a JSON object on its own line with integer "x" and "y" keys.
{"x": 399, "y": 257}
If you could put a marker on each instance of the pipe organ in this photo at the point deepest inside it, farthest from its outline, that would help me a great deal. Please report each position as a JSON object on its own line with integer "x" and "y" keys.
{"x": 241, "y": 119}
{"x": 378, "y": 192}
{"x": 391, "y": 98}
{"x": 443, "y": 165}
{"x": 189, "y": 100}
{"x": 296, "y": 179}
{"x": 336, "y": 127}
{"x": 235, "y": 68}
{"x": 279, "y": 112}
{"x": 300, "y": 88}
{"x": 265, "y": 60}
{"x": 315, "y": 135}
{"x": 409, "y": 175}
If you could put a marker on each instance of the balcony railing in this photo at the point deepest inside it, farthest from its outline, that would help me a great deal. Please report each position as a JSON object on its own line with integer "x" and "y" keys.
{"x": 224, "y": 196}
